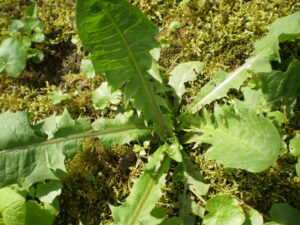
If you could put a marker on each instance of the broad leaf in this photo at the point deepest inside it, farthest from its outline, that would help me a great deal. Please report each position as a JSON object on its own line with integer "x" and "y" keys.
{"x": 12, "y": 207}
{"x": 16, "y": 210}
{"x": 239, "y": 138}
{"x": 12, "y": 57}
{"x": 183, "y": 73}
{"x": 223, "y": 210}
{"x": 37, "y": 214}
{"x": 266, "y": 50}
{"x": 29, "y": 154}
{"x": 284, "y": 214}
{"x": 145, "y": 192}
{"x": 111, "y": 31}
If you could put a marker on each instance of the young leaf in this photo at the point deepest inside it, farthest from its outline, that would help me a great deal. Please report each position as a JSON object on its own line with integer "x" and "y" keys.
{"x": 183, "y": 73}
{"x": 12, "y": 57}
{"x": 87, "y": 68}
{"x": 104, "y": 95}
{"x": 111, "y": 31}
{"x": 239, "y": 138}
{"x": 145, "y": 192}
{"x": 58, "y": 96}
{"x": 223, "y": 210}
{"x": 29, "y": 154}
{"x": 283, "y": 213}
{"x": 266, "y": 50}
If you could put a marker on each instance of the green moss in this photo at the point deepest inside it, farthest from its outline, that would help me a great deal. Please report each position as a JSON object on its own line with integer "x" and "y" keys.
{"x": 96, "y": 178}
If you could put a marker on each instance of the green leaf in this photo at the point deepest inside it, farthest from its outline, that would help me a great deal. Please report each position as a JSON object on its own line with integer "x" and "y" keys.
{"x": 174, "y": 150}
{"x": 223, "y": 210}
{"x": 47, "y": 192}
{"x": 239, "y": 137}
{"x": 31, "y": 11}
{"x": 87, "y": 68}
{"x": 30, "y": 154}
{"x": 33, "y": 24}
{"x": 185, "y": 211}
{"x": 172, "y": 221}
{"x": 295, "y": 145}
{"x": 266, "y": 50}
{"x": 15, "y": 26}
{"x": 145, "y": 192}
{"x": 104, "y": 95}
{"x": 193, "y": 177}
{"x": 37, "y": 214}
{"x": 277, "y": 85}
{"x": 38, "y": 37}
{"x": 111, "y": 31}
{"x": 254, "y": 218}
{"x": 12, "y": 57}
{"x": 123, "y": 129}
{"x": 295, "y": 150}
{"x": 284, "y": 214}
{"x": 183, "y": 73}
{"x": 58, "y": 96}
{"x": 12, "y": 207}
{"x": 218, "y": 87}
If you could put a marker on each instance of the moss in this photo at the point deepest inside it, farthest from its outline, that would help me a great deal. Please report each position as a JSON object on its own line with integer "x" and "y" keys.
{"x": 96, "y": 178}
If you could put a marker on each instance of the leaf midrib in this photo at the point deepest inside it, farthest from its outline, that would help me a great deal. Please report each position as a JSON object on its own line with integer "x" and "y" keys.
{"x": 148, "y": 190}
{"x": 233, "y": 139}
{"x": 232, "y": 75}
{"x": 78, "y": 136}
{"x": 157, "y": 111}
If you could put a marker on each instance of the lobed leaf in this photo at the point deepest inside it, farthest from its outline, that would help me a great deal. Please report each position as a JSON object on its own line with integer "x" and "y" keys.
{"x": 266, "y": 50}
{"x": 29, "y": 154}
{"x": 183, "y": 73}
{"x": 145, "y": 192}
{"x": 120, "y": 38}
{"x": 239, "y": 138}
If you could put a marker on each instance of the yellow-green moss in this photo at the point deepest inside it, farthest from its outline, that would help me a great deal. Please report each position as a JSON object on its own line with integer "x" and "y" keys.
{"x": 96, "y": 178}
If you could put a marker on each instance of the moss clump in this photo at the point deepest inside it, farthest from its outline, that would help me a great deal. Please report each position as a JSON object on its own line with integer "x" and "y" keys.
{"x": 96, "y": 178}
{"x": 279, "y": 183}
